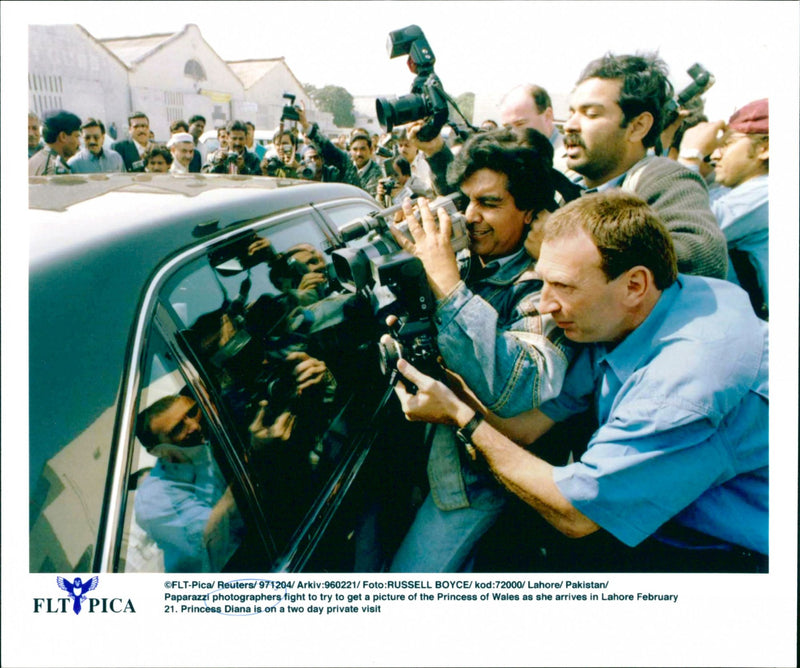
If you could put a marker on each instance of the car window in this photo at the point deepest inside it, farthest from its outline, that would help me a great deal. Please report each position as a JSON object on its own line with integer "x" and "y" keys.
{"x": 345, "y": 213}
{"x": 181, "y": 514}
{"x": 281, "y": 352}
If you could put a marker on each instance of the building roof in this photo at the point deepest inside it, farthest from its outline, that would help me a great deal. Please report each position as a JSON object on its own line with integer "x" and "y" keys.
{"x": 251, "y": 71}
{"x": 132, "y": 50}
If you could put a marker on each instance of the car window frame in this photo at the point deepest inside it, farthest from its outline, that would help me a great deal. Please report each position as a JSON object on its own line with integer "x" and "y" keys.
{"x": 107, "y": 550}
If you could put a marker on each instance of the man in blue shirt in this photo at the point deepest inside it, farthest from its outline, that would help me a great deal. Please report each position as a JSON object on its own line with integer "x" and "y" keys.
{"x": 739, "y": 151}
{"x": 93, "y": 158}
{"x": 185, "y": 504}
{"x": 677, "y": 367}
{"x": 489, "y": 330}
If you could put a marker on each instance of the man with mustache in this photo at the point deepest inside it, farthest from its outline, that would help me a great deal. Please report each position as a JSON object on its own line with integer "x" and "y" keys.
{"x": 616, "y": 115}
{"x": 676, "y": 475}
{"x": 490, "y": 331}
{"x": 93, "y": 157}
{"x": 132, "y": 150}
{"x": 61, "y": 133}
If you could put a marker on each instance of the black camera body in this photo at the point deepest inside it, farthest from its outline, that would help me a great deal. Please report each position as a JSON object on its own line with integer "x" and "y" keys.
{"x": 702, "y": 80}
{"x": 388, "y": 184}
{"x": 290, "y": 111}
{"x": 427, "y": 98}
{"x": 382, "y": 263}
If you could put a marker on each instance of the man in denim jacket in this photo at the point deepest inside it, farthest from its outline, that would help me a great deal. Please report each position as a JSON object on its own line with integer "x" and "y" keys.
{"x": 490, "y": 330}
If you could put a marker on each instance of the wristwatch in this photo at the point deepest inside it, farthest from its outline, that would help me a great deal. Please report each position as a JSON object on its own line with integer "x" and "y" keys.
{"x": 691, "y": 154}
{"x": 465, "y": 435}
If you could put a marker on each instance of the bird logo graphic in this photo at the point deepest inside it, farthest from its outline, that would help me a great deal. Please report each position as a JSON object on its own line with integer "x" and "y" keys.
{"x": 77, "y": 589}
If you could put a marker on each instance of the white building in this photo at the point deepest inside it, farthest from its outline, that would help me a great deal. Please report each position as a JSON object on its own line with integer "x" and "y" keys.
{"x": 364, "y": 111}
{"x": 265, "y": 81}
{"x": 174, "y": 76}
{"x": 167, "y": 76}
{"x": 69, "y": 69}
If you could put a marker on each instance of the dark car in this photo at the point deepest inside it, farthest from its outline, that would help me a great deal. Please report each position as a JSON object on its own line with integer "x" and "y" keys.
{"x": 215, "y": 294}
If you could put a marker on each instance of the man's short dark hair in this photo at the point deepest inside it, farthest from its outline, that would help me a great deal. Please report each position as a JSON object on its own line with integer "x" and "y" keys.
{"x": 626, "y": 231}
{"x": 250, "y": 125}
{"x": 541, "y": 98}
{"x": 526, "y": 161}
{"x": 143, "y": 430}
{"x": 402, "y": 165}
{"x": 58, "y": 121}
{"x": 236, "y": 126}
{"x": 93, "y": 123}
{"x": 360, "y": 136}
{"x": 137, "y": 114}
{"x": 286, "y": 133}
{"x": 645, "y": 86}
{"x": 197, "y": 117}
{"x": 158, "y": 150}
{"x": 178, "y": 126}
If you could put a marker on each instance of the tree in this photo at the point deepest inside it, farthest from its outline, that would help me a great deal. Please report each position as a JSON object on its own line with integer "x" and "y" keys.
{"x": 335, "y": 100}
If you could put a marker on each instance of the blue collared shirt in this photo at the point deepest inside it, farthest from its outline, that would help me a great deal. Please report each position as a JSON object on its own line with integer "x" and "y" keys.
{"x": 743, "y": 216}
{"x": 86, "y": 162}
{"x": 683, "y": 408}
{"x": 173, "y": 506}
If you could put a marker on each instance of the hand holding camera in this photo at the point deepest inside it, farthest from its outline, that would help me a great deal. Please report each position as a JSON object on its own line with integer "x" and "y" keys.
{"x": 431, "y": 244}
{"x": 429, "y": 147}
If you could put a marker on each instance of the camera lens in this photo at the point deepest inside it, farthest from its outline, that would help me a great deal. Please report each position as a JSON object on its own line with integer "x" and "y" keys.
{"x": 389, "y": 352}
{"x": 404, "y": 109}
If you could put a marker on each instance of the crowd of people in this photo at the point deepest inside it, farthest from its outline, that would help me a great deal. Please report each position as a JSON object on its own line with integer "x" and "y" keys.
{"x": 617, "y": 274}
{"x": 61, "y": 143}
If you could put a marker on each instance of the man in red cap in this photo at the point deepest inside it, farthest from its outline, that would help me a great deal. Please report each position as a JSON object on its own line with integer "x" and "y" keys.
{"x": 739, "y": 151}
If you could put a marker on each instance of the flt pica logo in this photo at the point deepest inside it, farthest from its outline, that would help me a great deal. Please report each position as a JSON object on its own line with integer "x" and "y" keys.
{"x": 77, "y": 599}
{"x": 77, "y": 590}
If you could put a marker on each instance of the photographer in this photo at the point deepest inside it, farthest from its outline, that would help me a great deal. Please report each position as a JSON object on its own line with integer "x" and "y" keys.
{"x": 395, "y": 189}
{"x": 490, "y": 330}
{"x": 408, "y": 148}
{"x": 234, "y": 158}
{"x": 331, "y": 155}
{"x": 281, "y": 160}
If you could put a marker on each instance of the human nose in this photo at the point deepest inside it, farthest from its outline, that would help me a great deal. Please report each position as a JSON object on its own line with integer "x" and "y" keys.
{"x": 471, "y": 214}
{"x": 547, "y": 303}
{"x": 571, "y": 124}
{"x": 191, "y": 425}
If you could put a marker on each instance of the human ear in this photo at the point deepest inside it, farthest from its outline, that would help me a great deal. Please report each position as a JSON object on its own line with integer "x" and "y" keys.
{"x": 638, "y": 280}
{"x": 640, "y": 126}
{"x": 762, "y": 150}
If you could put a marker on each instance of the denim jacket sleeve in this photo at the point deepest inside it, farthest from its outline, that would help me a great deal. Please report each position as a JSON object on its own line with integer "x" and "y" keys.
{"x": 511, "y": 356}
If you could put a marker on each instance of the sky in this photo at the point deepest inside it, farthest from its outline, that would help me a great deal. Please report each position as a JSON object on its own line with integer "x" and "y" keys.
{"x": 480, "y": 47}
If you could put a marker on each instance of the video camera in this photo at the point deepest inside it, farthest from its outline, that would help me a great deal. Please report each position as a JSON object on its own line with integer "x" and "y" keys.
{"x": 381, "y": 262}
{"x": 702, "y": 80}
{"x": 427, "y": 98}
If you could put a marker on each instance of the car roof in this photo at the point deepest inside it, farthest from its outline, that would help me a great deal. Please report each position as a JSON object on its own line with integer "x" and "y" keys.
{"x": 69, "y": 214}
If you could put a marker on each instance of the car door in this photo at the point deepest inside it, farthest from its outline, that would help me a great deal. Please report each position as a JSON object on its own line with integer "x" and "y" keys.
{"x": 250, "y": 334}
